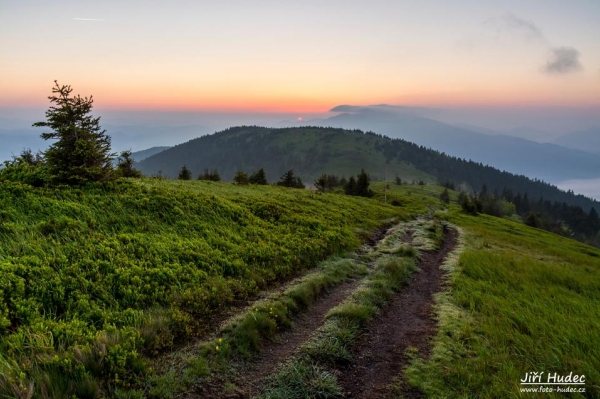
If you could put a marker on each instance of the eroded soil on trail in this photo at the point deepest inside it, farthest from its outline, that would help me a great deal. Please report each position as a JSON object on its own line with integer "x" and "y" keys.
{"x": 407, "y": 323}
{"x": 249, "y": 378}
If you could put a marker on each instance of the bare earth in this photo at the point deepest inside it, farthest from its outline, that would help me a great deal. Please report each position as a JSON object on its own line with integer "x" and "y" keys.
{"x": 407, "y": 322}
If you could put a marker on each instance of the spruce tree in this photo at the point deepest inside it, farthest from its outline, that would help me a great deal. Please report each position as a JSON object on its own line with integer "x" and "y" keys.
{"x": 210, "y": 176}
{"x": 184, "y": 173}
{"x": 350, "y": 186}
{"x": 81, "y": 152}
{"x": 259, "y": 177}
{"x": 362, "y": 185}
{"x": 125, "y": 166}
{"x": 321, "y": 183}
{"x": 214, "y": 175}
{"x": 241, "y": 177}
{"x": 289, "y": 180}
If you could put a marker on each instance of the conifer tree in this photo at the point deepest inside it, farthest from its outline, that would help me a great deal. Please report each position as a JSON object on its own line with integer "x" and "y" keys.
{"x": 214, "y": 175}
{"x": 259, "y": 177}
{"x": 210, "y": 176}
{"x": 289, "y": 180}
{"x": 362, "y": 185}
{"x": 321, "y": 183}
{"x": 184, "y": 173}
{"x": 81, "y": 152}
{"x": 241, "y": 177}
{"x": 125, "y": 166}
{"x": 350, "y": 186}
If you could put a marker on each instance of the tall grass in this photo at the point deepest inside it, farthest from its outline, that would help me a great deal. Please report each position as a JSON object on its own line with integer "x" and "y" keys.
{"x": 138, "y": 266}
{"x": 521, "y": 300}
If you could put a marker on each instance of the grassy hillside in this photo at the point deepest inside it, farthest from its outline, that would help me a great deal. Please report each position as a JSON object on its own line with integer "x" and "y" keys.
{"x": 97, "y": 278}
{"x": 521, "y": 300}
{"x": 99, "y": 281}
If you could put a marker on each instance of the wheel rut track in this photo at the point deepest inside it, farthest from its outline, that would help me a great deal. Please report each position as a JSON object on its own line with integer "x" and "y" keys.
{"x": 407, "y": 322}
{"x": 250, "y": 377}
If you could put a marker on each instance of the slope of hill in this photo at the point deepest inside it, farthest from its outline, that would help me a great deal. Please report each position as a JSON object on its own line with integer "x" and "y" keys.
{"x": 137, "y": 156}
{"x": 587, "y": 140}
{"x": 311, "y": 151}
{"x": 14, "y": 141}
{"x": 548, "y": 162}
{"x": 126, "y": 291}
{"x": 516, "y": 295}
{"x": 94, "y": 277}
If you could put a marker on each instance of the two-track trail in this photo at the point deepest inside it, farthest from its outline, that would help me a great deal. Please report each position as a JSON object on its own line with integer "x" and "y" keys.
{"x": 379, "y": 356}
{"x": 249, "y": 378}
{"x": 406, "y": 323}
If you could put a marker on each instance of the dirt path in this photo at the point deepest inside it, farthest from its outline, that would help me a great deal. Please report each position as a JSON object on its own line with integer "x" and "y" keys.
{"x": 276, "y": 352}
{"x": 249, "y": 379}
{"x": 407, "y": 322}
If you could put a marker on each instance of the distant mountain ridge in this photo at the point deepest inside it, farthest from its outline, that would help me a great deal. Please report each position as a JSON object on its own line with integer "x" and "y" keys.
{"x": 545, "y": 161}
{"x": 143, "y": 154}
{"x": 311, "y": 151}
{"x": 586, "y": 140}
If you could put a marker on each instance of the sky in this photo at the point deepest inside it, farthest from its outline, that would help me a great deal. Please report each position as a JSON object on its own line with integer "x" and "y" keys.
{"x": 301, "y": 57}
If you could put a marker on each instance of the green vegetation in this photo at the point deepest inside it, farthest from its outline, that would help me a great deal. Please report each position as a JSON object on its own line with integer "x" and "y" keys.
{"x": 521, "y": 300}
{"x": 359, "y": 186}
{"x": 445, "y": 196}
{"x": 99, "y": 278}
{"x": 309, "y": 151}
{"x": 241, "y": 177}
{"x": 327, "y": 182}
{"x": 242, "y": 337}
{"x": 101, "y": 281}
{"x": 259, "y": 177}
{"x": 315, "y": 153}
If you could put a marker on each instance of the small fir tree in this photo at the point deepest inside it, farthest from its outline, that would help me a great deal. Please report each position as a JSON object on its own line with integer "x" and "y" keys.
{"x": 184, "y": 173}
{"x": 289, "y": 180}
{"x": 125, "y": 166}
{"x": 241, "y": 177}
{"x": 259, "y": 177}
{"x": 81, "y": 152}
{"x": 321, "y": 183}
{"x": 213, "y": 175}
{"x": 362, "y": 185}
{"x": 350, "y": 186}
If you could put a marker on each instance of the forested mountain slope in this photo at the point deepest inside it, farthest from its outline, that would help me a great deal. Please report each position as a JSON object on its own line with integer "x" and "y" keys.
{"x": 311, "y": 151}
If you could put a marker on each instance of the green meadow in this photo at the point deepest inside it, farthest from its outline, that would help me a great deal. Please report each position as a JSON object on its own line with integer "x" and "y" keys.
{"x": 98, "y": 282}
{"x": 520, "y": 300}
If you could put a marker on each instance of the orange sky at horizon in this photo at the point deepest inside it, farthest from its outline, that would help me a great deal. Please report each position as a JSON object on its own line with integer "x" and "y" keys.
{"x": 253, "y": 100}
{"x": 300, "y": 57}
